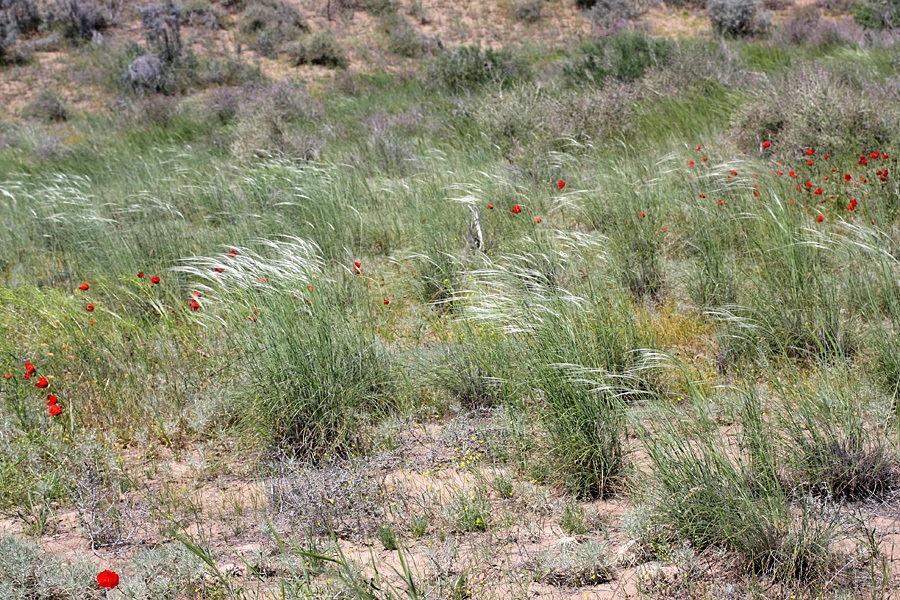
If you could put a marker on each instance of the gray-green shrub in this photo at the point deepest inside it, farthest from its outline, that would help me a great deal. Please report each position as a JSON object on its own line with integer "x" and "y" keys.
{"x": 737, "y": 18}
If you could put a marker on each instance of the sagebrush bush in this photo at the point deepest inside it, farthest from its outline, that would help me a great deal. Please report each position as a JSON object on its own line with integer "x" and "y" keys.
{"x": 816, "y": 107}
{"x": 25, "y": 14}
{"x": 269, "y": 24}
{"x": 269, "y": 124}
{"x": 338, "y": 497}
{"x": 737, "y": 18}
{"x": 81, "y": 18}
{"x": 47, "y": 106}
{"x": 321, "y": 48}
{"x": 27, "y": 573}
{"x": 202, "y": 13}
{"x": 402, "y": 38}
{"x": 530, "y": 11}
{"x": 575, "y": 565}
{"x": 8, "y": 36}
{"x": 611, "y": 15}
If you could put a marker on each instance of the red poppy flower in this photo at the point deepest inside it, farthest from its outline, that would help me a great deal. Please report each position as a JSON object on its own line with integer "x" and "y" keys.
{"x": 8, "y": 375}
{"x": 219, "y": 269}
{"x": 704, "y": 159}
{"x": 721, "y": 203}
{"x": 232, "y": 253}
{"x": 874, "y": 155}
{"x": 309, "y": 287}
{"x": 516, "y": 209}
{"x": 107, "y": 579}
{"x": 195, "y": 305}
{"x": 781, "y": 172}
{"x": 833, "y": 170}
{"x": 196, "y": 294}
{"x": 95, "y": 322}
{"x": 734, "y": 172}
{"x": 809, "y": 184}
{"x": 537, "y": 219}
{"x": 755, "y": 194}
{"x": 665, "y": 228}
{"x": 42, "y": 383}
{"x": 357, "y": 265}
{"x": 642, "y": 214}
{"x": 847, "y": 177}
{"x": 29, "y": 367}
{"x": 809, "y": 152}
{"x": 154, "y": 280}
{"x": 883, "y": 155}
{"x": 826, "y": 157}
{"x": 141, "y": 275}
{"x": 820, "y": 218}
{"x": 90, "y": 308}
{"x": 386, "y": 301}
{"x": 703, "y": 195}
{"x": 83, "y": 287}
{"x": 698, "y": 147}
{"x": 54, "y": 410}
{"x": 691, "y": 163}
{"x": 252, "y": 318}
{"x": 791, "y": 203}
{"x": 766, "y": 144}
{"x": 818, "y": 192}
{"x": 356, "y": 270}
{"x": 809, "y": 162}
{"x": 490, "y": 207}
{"x": 791, "y": 173}
{"x": 561, "y": 184}
{"x": 51, "y": 399}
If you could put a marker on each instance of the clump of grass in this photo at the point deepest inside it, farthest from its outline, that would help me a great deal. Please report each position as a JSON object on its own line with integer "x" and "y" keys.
{"x": 315, "y": 382}
{"x": 469, "y": 511}
{"x": 626, "y": 56}
{"x": 387, "y": 537}
{"x": 574, "y": 565}
{"x": 504, "y": 487}
{"x": 573, "y": 520}
{"x": 710, "y": 499}
{"x": 418, "y": 526}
